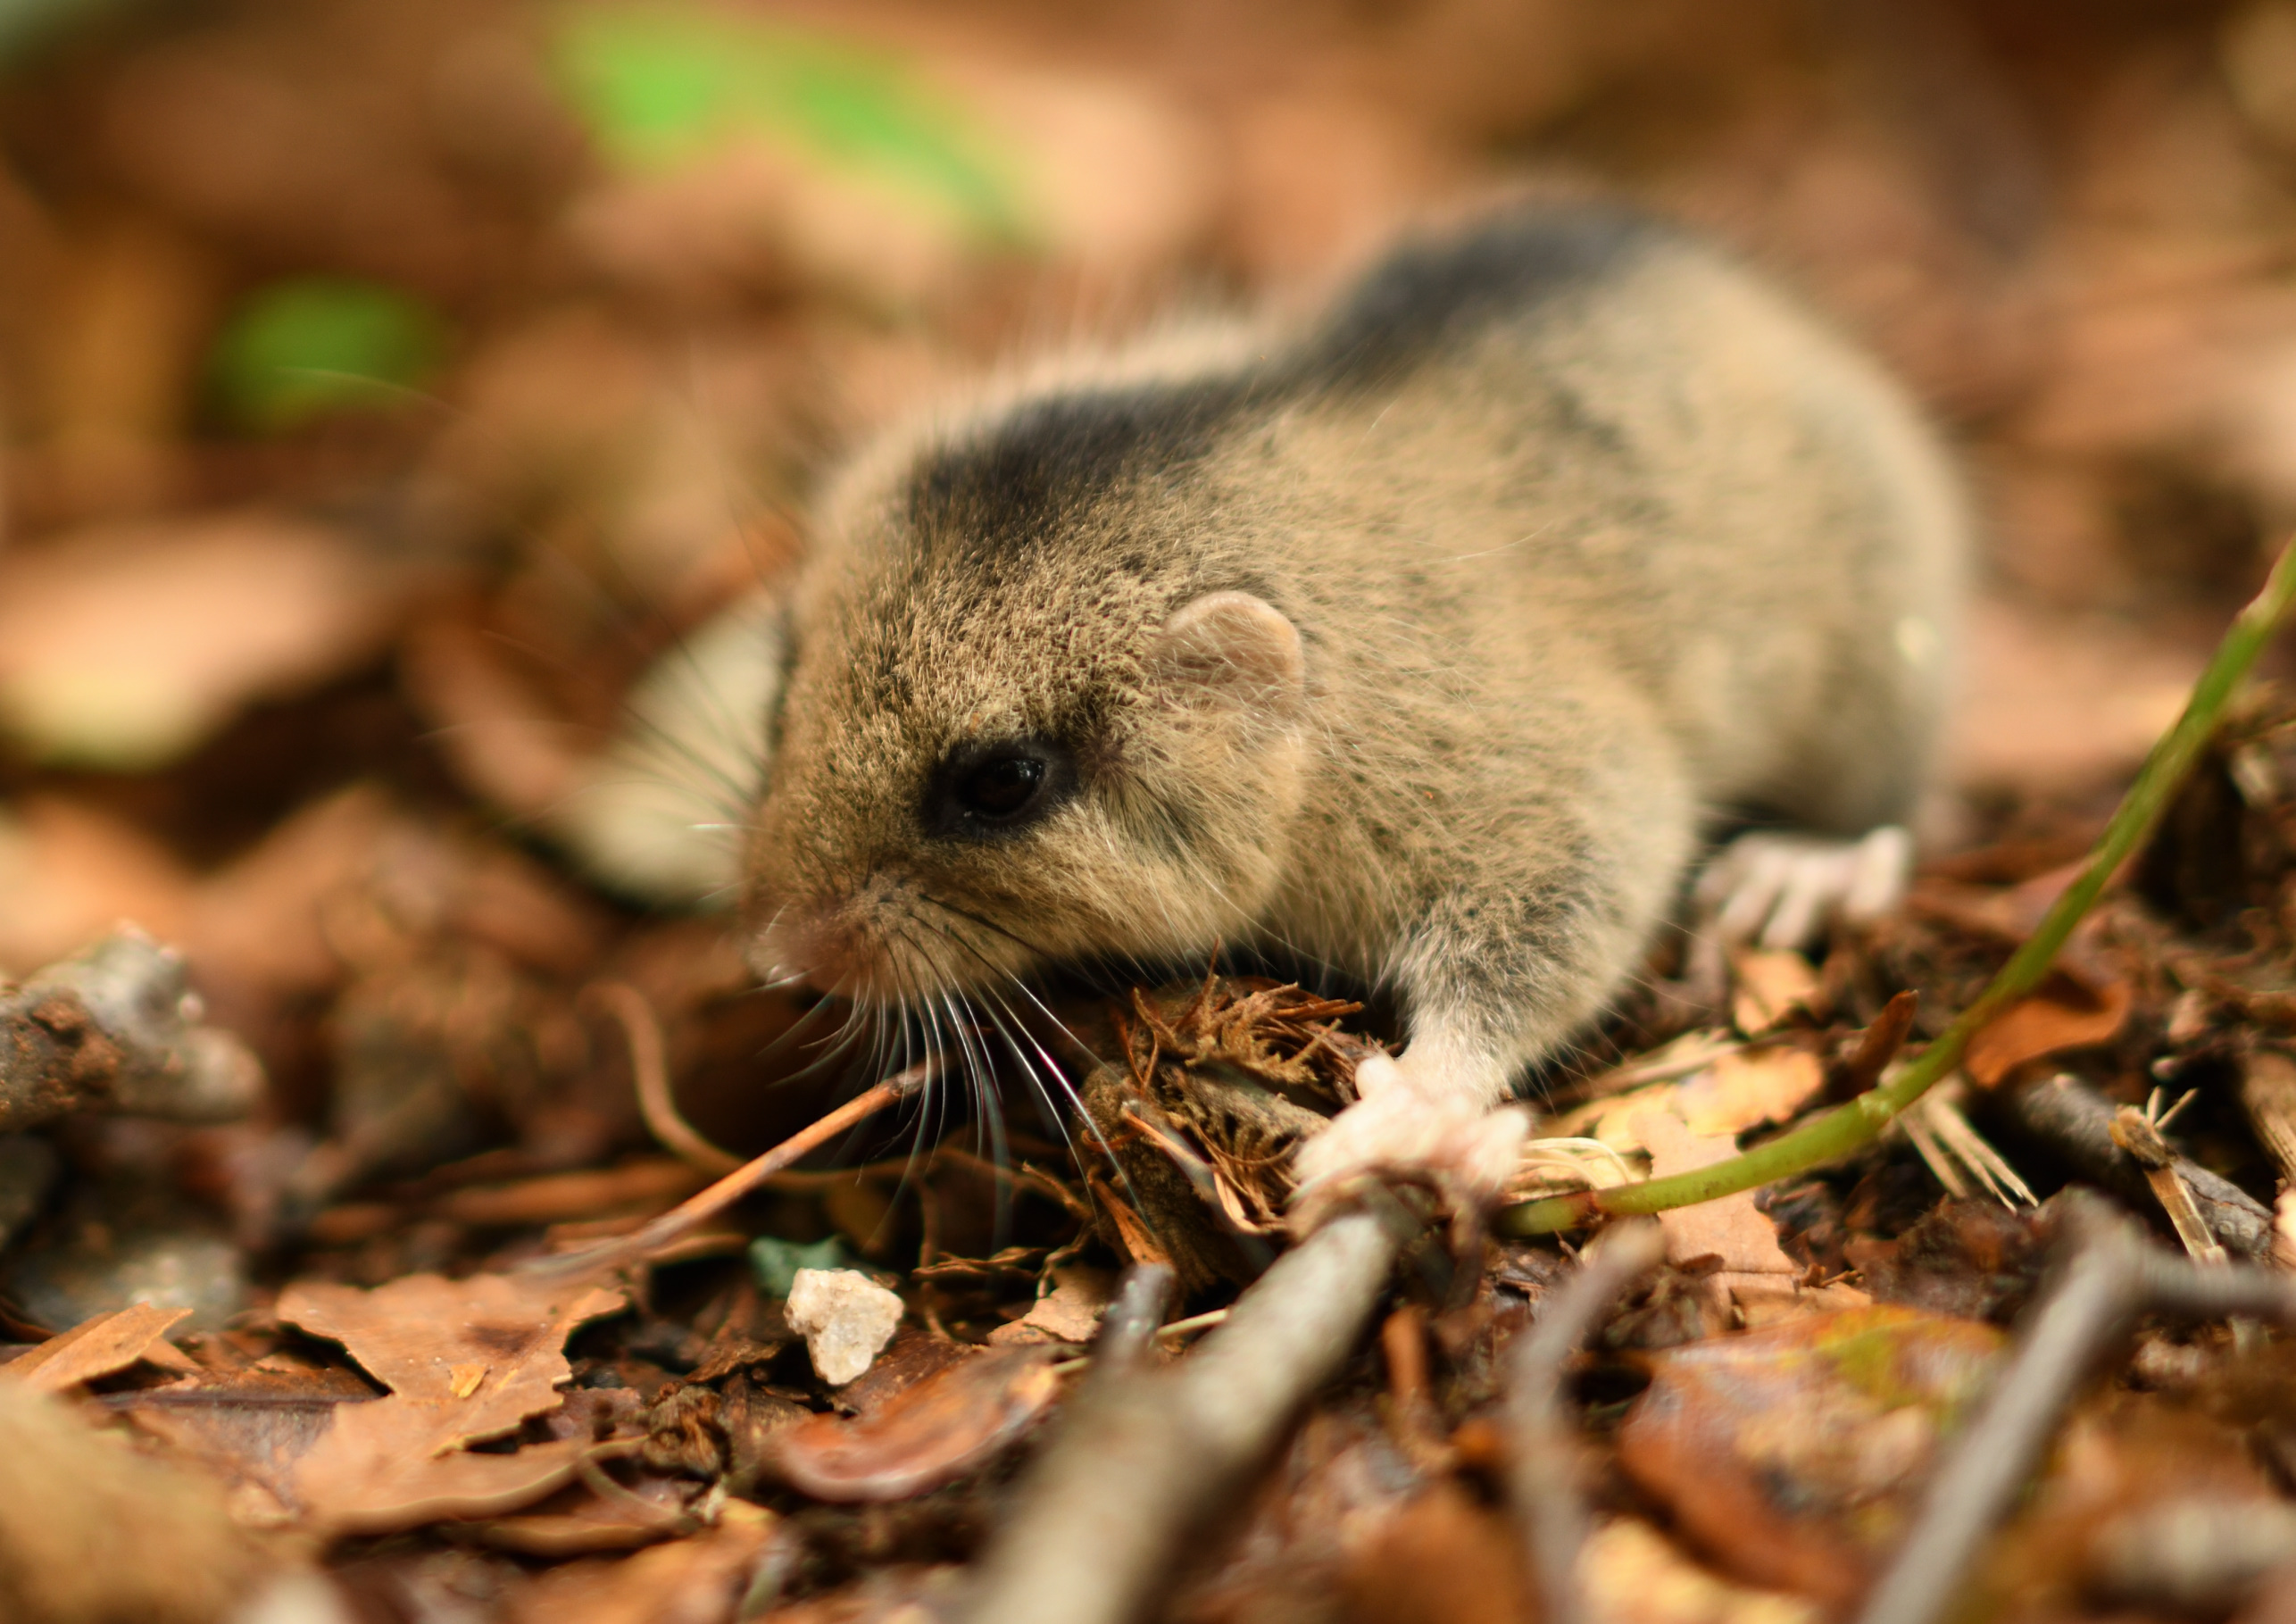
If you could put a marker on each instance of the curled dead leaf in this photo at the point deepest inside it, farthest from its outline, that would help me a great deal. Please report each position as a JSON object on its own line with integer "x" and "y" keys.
{"x": 931, "y": 1434}
{"x": 2066, "y": 1014}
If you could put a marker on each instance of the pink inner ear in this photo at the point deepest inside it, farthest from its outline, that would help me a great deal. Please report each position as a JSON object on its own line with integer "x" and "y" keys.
{"x": 1235, "y": 642}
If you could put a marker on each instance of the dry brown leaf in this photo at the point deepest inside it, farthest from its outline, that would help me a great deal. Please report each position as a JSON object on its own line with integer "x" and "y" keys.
{"x": 699, "y": 1581}
{"x": 1767, "y": 987}
{"x": 501, "y": 735}
{"x": 1748, "y": 1089}
{"x": 1443, "y": 1559}
{"x": 95, "y": 1532}
{"x": 70, "y": 872}
{"x": 2065, "y": 1015}
{"x": 256, "y": 926}
{"x": 579, "y": 1522}
{"x": 248, "y": 1428}
{"x": 1792, "y": 1454}
{"x": 123, "y": 647}
{"x": 102, "y": 1346}
{"x": 1069, "y": 1312}
{"x": 1728, "y": 1236}
{"x": 403, "y": 1460}
{"x": 375, "y": 1471}
{"x": 928, "y": 1434}
{"x": 1633, "y": 1575}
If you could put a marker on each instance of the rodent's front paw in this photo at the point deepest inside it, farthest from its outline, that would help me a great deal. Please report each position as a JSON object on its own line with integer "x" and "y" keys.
{"x": 1400, "y": 1125}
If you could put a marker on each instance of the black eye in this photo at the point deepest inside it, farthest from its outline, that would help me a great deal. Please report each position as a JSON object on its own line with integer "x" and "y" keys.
{"x": 985, "y": 788}
{"x": 1000, "y": 786}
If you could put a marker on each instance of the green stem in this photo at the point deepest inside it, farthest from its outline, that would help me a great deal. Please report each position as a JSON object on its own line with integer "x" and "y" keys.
{"x": 1845, "y": 1129}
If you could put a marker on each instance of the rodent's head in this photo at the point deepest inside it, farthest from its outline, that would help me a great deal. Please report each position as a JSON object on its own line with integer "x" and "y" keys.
{"x": 1036, "y": 712}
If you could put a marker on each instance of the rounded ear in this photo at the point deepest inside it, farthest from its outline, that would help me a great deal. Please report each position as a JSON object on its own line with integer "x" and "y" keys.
{"x": 1233, "y": 647}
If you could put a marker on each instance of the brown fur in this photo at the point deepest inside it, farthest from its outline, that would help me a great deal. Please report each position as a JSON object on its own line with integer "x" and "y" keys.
{"x": 1420, "y": 640}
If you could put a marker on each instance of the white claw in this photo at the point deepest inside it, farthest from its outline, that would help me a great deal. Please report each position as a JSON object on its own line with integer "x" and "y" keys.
{"x": 1884, "y": 870}
{"x": 1780, "y": 891}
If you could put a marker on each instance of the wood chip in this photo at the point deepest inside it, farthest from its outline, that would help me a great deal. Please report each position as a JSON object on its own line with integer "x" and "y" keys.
{"x": 102, "y": 1346}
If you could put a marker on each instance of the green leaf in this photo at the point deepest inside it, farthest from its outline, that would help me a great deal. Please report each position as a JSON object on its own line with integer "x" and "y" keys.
{"x": 657, "y": 85}
{"x": 776, "y": 1263}
{"x": 296, "y": 349}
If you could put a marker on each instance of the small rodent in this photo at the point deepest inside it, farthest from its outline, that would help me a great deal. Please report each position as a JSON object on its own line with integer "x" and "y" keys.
{"x": 1422, "y": 639}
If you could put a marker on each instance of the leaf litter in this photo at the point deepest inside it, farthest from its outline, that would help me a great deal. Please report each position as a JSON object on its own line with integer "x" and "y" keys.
{"x": 317, "y": 678}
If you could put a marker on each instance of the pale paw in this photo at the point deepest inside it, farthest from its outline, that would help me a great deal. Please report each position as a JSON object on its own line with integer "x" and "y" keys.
{"x": 1781, "y": 891}
{"x": 1401, "y": 1128}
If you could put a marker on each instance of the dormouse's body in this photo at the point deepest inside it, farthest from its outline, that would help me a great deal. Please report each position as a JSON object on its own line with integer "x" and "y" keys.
{"x": 1420, "y": 639}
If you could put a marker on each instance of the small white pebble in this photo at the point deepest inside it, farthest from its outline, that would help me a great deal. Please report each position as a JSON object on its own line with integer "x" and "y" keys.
{"x": 846, "y": 1318}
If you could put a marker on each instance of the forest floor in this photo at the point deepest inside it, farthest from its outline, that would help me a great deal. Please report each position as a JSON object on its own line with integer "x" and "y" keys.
{"x": 395, "y": 389}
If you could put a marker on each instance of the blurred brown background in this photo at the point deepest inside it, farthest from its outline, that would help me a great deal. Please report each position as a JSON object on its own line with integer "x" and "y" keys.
{"x": 386, "y": 381}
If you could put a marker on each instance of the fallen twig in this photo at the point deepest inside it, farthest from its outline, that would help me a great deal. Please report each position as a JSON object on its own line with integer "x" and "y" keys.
{"x": 1092, "y": 1530}
{"x": 2135, "y": 1133}
{"x": 2076, "y": 1122}
{"x": 1544, "y": 1479}
{"x": 628, "y": 1251}
{"x": 114, "y": 1029}
{"x": 1847, "y": 1129}
{"x": 2267, "y": 1094}
{"x": 2112, "y": 1277}
{"x": 649, "y": 1076}
{"x": 1127, "y": 1330}
{"x": 1180, "y": 1329}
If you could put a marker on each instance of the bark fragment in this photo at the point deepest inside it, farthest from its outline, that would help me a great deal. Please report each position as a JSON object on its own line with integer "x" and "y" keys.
{"x": 115, "y": 1030}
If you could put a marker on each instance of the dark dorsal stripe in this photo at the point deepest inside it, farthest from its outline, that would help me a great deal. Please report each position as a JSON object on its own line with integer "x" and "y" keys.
{"x": 1021, "y": 477}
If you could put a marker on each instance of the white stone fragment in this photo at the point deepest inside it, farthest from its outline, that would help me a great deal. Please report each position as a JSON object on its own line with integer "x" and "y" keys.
{"x": 846, "y": 1318}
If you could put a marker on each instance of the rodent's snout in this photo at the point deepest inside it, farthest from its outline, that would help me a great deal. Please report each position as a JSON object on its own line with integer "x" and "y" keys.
{"x": 815, "y": 948}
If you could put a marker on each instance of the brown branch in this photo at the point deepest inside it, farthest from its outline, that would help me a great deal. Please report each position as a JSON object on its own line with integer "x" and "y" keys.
{"x": 630, "y": 1251}
{"x": 2076, "y": 1122}
{"x": 2113, "y": 1277}
{"x": 649, "y": 1076}
{"x": 1095, "y": 1525}
{"x": 1543, "y": 1477}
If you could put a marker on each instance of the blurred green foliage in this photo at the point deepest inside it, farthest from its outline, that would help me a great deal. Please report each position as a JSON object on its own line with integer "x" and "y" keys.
{"x": 25, "y": 25}
{"x": 298, "y": 348}
{"x": 775, "y": 1262}
{"x": 657, "y": 85}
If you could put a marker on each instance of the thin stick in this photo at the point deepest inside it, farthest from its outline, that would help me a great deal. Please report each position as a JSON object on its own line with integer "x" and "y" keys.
{"x": 1848, "y": 1127}
{"x": 1127, "y": 1330}
{"x": 672, "y": 1226}
{"x": 1542, "y": 1479}
{"x": 1178, "y": 1328}
{"x": 2112, "y": 1279}
{"x": 2076, "y": 1122}
{"x": 650, "y": 1074}
{"x": 1096, "y": 1526}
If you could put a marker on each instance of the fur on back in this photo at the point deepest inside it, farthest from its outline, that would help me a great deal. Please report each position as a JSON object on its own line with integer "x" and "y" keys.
{"x": 1586, "y": 534}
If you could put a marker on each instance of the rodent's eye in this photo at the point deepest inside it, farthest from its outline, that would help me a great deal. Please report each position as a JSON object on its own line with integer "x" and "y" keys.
{"x": 986, "y": 788}
{"x": 1000, "y": 787}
